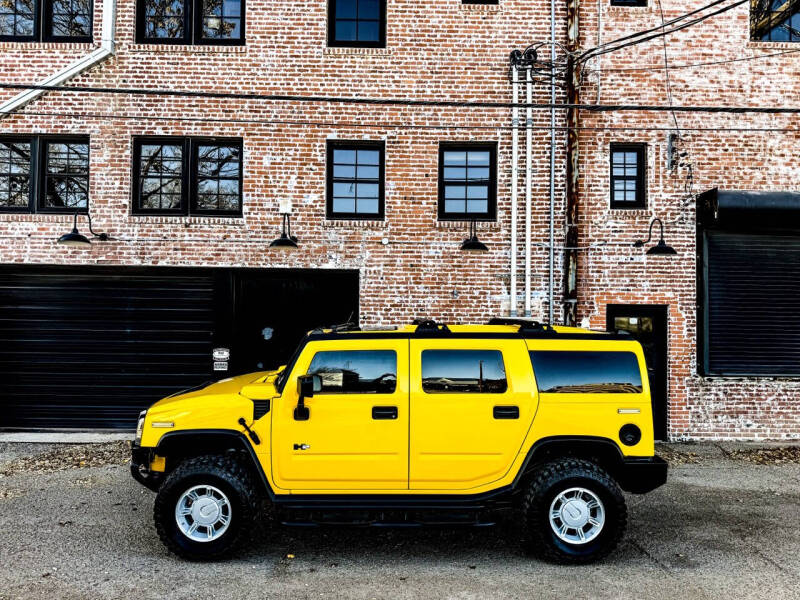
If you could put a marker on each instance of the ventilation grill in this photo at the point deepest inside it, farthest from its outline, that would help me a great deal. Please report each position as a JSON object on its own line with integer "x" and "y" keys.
{"x": 260, "y": 408}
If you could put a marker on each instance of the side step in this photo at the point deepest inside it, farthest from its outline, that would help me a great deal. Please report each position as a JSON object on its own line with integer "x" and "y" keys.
{"x": 361, "y": 518}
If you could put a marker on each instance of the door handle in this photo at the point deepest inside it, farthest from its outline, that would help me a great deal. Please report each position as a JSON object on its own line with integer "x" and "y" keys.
{"x": 384, "y": 412}
{"x": 506, "y": 412}
{"x": 301, "y": 446}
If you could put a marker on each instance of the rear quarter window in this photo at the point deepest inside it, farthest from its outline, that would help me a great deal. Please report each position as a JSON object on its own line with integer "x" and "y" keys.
{"x": 568, "y": 372}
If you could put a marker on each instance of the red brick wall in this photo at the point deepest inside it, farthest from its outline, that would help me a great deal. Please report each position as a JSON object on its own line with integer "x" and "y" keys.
{"x": 699, "y": 408}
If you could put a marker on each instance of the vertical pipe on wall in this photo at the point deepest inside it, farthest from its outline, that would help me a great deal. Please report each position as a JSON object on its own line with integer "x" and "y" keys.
{"x": 573, "y": 98}
{"x": 528, "y": 174}
{"x": 514, "y": 181}
{"x": 551, "y": 245}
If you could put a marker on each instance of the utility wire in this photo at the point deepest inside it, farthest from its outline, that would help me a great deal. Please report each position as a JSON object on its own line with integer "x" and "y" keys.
{"x": 674, "y": 66}
{"x": 406, "y": 102}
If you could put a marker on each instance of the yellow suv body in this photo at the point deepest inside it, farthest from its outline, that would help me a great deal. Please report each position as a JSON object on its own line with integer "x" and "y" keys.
{"x": 458, "y": 419}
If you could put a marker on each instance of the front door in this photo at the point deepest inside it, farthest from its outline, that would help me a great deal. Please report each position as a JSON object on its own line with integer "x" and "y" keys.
{"x": 472, "y": 403}
{"x": 356, "y": 435}
{"x": 648, "y": 324}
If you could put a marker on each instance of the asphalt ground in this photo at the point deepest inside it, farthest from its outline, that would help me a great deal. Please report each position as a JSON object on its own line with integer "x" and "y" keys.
{"x": 73, "y": 524}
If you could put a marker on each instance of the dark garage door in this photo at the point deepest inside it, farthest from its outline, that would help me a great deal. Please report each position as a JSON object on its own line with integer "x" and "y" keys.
{"x": 89, "y": 347}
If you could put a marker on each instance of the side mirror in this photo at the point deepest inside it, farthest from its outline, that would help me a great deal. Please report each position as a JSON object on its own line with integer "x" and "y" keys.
{"x": 307, "y": 386}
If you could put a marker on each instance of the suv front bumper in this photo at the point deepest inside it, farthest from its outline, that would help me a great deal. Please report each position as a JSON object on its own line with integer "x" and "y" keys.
{"x": 642, "y": 475}
{"x": 140, "y": 468}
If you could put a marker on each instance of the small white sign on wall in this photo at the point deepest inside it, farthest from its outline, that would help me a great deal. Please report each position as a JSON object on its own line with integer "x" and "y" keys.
{"x": 221, "y": 365}
{"x": 285, "y": 206}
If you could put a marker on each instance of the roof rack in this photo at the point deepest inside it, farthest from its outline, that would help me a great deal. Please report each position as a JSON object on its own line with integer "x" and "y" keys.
{"x": 429, "y": 326}
{"x": 338, "y": 328}
{"x": 525, "y": 325}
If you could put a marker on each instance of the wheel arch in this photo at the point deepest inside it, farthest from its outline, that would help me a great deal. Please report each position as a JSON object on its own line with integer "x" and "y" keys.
{"x": 177, "y": 446}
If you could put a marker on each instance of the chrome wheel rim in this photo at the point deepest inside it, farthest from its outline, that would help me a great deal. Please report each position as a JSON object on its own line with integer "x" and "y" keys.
{"x": 577, "y": 516}
{"x": 203, "y": 513}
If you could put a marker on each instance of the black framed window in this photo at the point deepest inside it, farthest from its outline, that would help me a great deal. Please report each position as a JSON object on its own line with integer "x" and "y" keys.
{"x": 628, "y": 176}
{"x": 356, "y": 371}
{"x": 355, "y": 180}
{"x": 46, "y": 20}
{"x": 357, "y": 23}
{"x": 775, "y": 21}
{"x": 176, "y": 175}
{"x": 44, "y": 174}
{"x": 16, "y": 174}
{"x": 567, "y": 372}
{"x": 467, "y": 182}
{"x": 463, "y": 371}
{"x": 628, "y": 2}
{"x": 220, "y": 22}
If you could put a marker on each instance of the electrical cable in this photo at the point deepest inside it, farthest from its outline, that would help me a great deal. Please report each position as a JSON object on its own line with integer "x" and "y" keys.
{"x": 674, "y": 66}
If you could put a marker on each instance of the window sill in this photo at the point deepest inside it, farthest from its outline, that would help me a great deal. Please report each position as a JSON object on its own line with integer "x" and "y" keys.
{"x": 27, "y": 217}
{"x": 632, "y": 213}
{"x": 464, "y": 225}
{"x": 626, "y": 10}
{"x": 481, "y": 7}
{"x": 351, "y": 51}
{"x": 236, "y": 221}
{"x": 758, "y": 44}
{"x": 22, "y": 45}
{"x": 187, "y": 48}
{"x": 353, "y": 224}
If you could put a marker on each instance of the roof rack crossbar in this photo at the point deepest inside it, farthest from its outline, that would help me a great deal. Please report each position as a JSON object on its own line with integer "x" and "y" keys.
{"x": 525, "y": 325}
{"x": 430, "y": 326}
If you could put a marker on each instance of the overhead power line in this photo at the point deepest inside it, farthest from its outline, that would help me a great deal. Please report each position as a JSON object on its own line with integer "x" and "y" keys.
{"x": 405, "y": 102}
{"x": 674, "y": 66}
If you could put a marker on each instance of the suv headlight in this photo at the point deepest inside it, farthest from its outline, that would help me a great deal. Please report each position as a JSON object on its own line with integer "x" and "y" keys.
{"x": 140, "y": 426}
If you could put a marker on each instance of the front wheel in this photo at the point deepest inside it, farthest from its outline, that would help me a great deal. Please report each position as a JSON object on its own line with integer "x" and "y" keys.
{"x": 206, "y": 507}
{"x": 574, "y": 512}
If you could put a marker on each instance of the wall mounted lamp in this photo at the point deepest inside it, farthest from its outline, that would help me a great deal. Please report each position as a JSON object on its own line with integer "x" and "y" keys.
{"x": 77, "y": 240}
{"x": 661, "y": 248}
{"x": 286, "y": 241}
{"x": 472, "y": 243}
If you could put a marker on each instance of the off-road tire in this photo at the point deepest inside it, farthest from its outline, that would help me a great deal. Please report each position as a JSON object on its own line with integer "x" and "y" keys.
{"x": 550, "y": 480}
{"x": 224, "y": 473}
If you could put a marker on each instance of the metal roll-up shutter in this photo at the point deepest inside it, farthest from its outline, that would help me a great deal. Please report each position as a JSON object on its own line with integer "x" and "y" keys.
{"x": 752, "y": 303}
{"x": 89, "y": 347}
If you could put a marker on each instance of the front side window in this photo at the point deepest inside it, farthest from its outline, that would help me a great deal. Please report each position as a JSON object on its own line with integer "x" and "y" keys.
{"x": 187, "y": 176}
{"x": 357, "y": 23}
{"x": 463, "y": 371}
{"x": 775, "y": 20}
{"x": 44, "y": 174}
{"x": 468, "y": 182}
{"x": 46, "y": 20}
{"x": 355, "y": 186}
{"x": 628, "y": 176}
{"x": 567, "y": 372}
{"x": 356, "y": 371}
{"x": 190, "y": 21}
{"x": 16, "y": 168}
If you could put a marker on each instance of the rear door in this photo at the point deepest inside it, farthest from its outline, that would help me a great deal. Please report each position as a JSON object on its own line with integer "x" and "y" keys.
{"x": 472, "y": 403}
{"x": 356, "y": 436}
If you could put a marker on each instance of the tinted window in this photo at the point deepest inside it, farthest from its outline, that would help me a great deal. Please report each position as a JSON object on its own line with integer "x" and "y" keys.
{"x": 356, "y": 371}
{"x": 356, "y": 22}
{"x": 66, "y": 177}
{"x": 467, "y": 181}
{"x": 15, "y": 174}
{"x": 463, "y": 371}
{"x": 587, "y": 372}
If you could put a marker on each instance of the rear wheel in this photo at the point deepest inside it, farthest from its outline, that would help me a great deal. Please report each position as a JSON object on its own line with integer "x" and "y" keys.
{"x": 574, "y": 512}
{"x": 206, "y": 508}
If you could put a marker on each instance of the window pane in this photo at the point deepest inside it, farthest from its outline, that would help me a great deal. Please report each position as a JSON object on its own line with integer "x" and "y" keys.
{"x": 346, "y": 31}
{"x": 221, "y": 19}
{"x": 218, "y": 177}
{"x": 17, "y": 18}
{"x": 356, "y": 176}
{"x": 455, "y": 191}
{"x": 478, "y": 158}
{"x": 164, "y": 19}
{"x": 455, "y": 158}
{"x": 463, "y": 371}
{"x": 356, "y": 371}
{"x": 71, "y": 18}
{"x": 369, "y": 9}
{"x": 67, "y": 175}
{"x": 477, "y": 191}
{"x": 478, "y": 174}
{"x": 15, "y": 174}
{"x": 587, "y": 372}
{"x": 346, "y": 9}
{"x": 368, "y": 31}
{"x": 451, "y": 173}
{"x": 477, "y": 206}
{"x": 455, "y": 206}
{"x": 160, "y": 172}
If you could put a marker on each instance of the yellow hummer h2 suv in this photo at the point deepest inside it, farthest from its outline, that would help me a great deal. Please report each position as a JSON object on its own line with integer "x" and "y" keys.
{"x": 422, "y": 424}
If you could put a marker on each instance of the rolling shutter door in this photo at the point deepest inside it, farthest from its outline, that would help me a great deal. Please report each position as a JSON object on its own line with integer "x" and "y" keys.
{"x": 92, "y": 346}
{"x": 752, "y": 305}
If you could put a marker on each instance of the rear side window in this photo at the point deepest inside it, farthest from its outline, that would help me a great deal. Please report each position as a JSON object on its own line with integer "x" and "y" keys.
{"x": 586, "y": 372}
{"x": 356, "y": 371}
{"x": 463, "y": 371}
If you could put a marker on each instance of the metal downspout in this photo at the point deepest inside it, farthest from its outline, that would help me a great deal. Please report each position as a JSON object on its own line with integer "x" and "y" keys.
{"x": 514, "y": 182}
{"x": 573, "y": 121}
{"x": 106, "y": 49}
{"x": 528, "y": 194}
{"x": 551, "y": 244}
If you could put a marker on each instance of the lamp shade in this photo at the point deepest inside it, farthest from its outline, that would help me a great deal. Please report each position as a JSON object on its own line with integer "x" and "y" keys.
{"x": 283, "y": 243}
{"x": 473, "y": 244}
{"x": 661, "y": 249}
{"x": 74, "y": 239}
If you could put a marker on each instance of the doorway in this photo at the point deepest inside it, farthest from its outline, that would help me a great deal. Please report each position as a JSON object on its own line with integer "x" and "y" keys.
{"x": 648, "y": 324}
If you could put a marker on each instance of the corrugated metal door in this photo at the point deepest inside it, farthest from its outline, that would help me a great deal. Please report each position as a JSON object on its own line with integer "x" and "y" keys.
{"x": 91, "y": 346}
{"x": 752, "y": 303}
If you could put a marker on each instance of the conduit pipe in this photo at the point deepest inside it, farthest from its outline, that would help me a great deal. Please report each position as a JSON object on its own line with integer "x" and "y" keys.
{"x": 528, "y": 174}
{"x": 106, "y": 49}
{"x": 514, "y": 181}
{"x": 551, "y": 252}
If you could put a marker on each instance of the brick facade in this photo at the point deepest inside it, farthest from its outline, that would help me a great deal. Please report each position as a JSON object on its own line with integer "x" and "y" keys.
{"x": 410, "y": 264}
